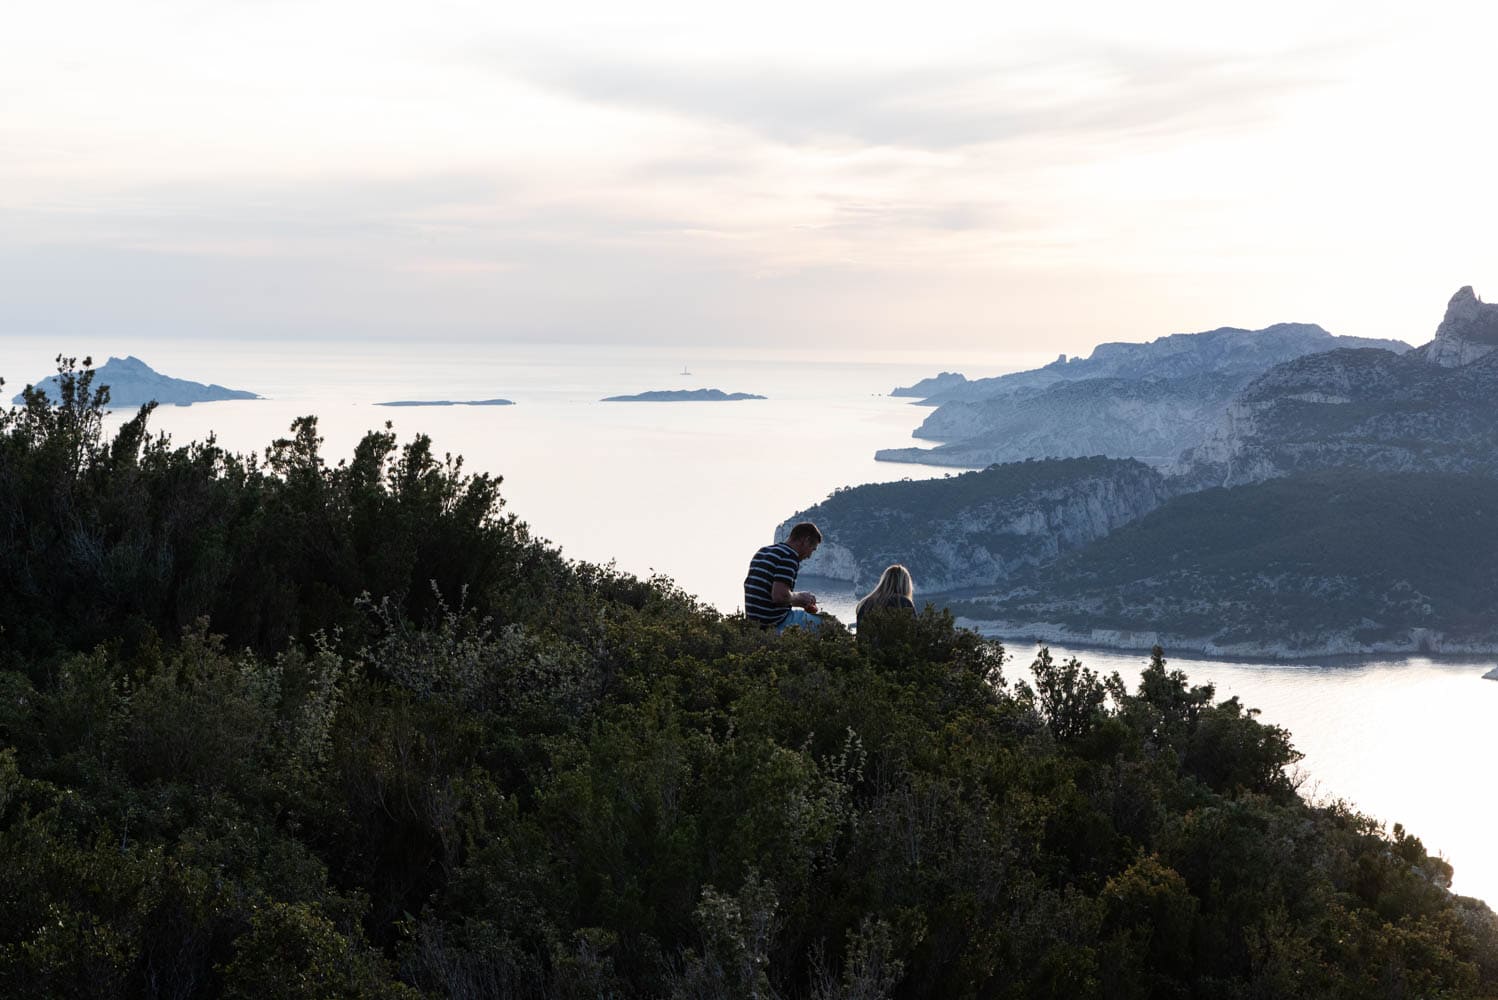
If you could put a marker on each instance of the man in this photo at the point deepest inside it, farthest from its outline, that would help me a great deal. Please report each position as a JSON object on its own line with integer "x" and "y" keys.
{"x": 770, "y": 597}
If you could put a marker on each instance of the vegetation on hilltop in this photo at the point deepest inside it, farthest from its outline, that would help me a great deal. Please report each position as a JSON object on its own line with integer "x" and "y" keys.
{"x": 250, "y": 750}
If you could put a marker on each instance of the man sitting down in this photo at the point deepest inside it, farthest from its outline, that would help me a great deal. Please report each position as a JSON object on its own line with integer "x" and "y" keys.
{"x": 770, "y": 597}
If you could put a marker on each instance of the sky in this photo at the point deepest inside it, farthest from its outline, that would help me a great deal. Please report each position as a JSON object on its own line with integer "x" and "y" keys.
{"x": 935, "y": 178}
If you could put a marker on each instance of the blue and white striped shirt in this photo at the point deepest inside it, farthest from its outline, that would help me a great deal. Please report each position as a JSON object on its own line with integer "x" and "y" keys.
{"x": 770, "y": 564}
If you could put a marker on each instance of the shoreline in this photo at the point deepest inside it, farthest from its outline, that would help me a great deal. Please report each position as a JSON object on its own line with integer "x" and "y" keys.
{"x": 1340, "y": 646}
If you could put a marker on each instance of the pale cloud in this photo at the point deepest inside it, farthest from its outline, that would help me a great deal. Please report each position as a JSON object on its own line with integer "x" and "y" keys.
{"x": 1026, "y": 179}
{"x": 1071, "y": 96}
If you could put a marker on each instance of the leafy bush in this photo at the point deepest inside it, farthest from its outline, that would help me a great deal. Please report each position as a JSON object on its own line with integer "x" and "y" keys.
{"x": 281, "y": 760}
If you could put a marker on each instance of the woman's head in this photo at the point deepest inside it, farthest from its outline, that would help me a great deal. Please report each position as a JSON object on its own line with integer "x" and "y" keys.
{"x": 894, "y": 584}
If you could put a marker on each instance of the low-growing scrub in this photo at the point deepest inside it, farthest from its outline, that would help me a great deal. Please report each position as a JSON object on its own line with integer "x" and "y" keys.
{"x": 350, "y": 731}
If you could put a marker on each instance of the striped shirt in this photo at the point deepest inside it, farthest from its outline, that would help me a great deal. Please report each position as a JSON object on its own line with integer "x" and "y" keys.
{"x": 771, "y": 564}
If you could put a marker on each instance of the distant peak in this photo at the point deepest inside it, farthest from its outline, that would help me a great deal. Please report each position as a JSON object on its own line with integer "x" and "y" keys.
{"x": 128, "y": 361}
{"x": 1469, "y": 318}
{"x": 1468, "y": 331}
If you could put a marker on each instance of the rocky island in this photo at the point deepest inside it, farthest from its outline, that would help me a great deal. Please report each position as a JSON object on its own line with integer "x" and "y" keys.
{"x": 132, "y": 382}
{"x": 683, "y": 396}
{"x": 448, "y": 402}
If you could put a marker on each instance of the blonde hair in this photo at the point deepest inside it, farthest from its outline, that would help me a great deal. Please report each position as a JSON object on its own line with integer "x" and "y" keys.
{"x": 893, "y": 585}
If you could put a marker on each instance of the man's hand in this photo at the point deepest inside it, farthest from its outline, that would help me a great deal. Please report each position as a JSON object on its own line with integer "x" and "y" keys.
{"x": 805, "y": 599}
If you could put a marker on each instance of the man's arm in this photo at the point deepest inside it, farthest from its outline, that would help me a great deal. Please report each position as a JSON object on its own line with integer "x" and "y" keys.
{"x": 781, "y": 595}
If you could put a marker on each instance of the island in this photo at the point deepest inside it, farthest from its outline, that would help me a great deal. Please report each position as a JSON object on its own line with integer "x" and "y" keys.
{"x": 683, "y": 396}
{"x": 132, "y": 382}
{"x": 448, "y": 402}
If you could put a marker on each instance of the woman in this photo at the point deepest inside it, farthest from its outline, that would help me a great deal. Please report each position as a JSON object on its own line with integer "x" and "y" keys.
{"x": 895, "y": 590}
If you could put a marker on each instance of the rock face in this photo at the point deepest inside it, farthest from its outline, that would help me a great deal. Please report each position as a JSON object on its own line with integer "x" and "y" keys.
{"x": 132, "y": 383}
{"x": 683, "y": 396}
{"x": 1429, "y": 410}
{"x": 1469, "y": 331}
{"x": 979, "y": 528}
{"x": 1145, "y": 401}
{"x": 1151, "y": 420}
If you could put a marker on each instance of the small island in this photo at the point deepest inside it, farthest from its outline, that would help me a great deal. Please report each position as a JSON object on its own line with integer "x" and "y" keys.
{"x": 448, "y": 402}
{"x": 683, "y": 396}
{"x": 132, "y": 382}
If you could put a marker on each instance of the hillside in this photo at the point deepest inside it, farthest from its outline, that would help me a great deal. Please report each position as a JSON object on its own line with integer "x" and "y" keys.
{"x": 1339, "y": 561}
{"x": 978, "y": 528}
{"x": 308, "y": 728}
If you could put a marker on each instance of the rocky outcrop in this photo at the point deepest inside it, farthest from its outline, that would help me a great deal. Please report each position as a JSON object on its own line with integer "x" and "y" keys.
{"x": 980, "y": 528}
{"x": 133, "y": 383}
{"x": 1431, "y": 409}
{"x": 934, "y": 386}
{"x": 1144, "y": 401}
{"x": 1468, "y": 331}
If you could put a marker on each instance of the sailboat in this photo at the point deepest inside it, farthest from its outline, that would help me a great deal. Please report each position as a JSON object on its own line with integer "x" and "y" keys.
{"x": 684, "y": 370}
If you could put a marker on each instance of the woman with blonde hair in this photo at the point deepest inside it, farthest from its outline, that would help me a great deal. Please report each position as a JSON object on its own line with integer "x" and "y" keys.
{"x": 895, "y": 590}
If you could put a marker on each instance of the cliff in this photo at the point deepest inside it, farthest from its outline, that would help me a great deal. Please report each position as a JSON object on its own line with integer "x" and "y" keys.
{"x": 1151, "y": 420}
{"x": 1468, "y": 331}
{"x": 977, "y": 529}
{"x": 1430, "y": 409}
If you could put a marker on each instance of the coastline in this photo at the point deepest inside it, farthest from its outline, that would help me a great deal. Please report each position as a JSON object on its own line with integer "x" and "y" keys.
{"x": 1420, "y": 642}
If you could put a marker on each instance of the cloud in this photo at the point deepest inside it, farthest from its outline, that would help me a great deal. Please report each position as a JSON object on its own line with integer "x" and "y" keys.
{"x": 1097, "y": 93}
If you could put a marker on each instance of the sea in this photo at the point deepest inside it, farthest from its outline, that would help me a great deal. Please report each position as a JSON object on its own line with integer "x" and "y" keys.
{"x": 689, "y": 490}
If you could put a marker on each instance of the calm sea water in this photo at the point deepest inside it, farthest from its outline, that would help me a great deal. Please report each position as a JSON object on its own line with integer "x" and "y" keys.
{"x": 691, "y": 489}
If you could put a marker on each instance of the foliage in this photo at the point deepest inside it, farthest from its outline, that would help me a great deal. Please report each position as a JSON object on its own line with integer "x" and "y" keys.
{"x": 1370, "y": 556}
{"x": 563, "y": 781}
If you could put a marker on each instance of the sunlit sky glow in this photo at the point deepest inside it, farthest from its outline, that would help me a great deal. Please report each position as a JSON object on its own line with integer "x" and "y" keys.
{"x": 960, "y": 178}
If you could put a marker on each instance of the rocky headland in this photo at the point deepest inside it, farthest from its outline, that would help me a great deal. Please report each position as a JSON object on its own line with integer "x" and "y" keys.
{"x": 1144, "y": 401}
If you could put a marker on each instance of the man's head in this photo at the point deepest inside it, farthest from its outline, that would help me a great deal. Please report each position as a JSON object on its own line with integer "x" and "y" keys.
{"x": 804, "y": 539}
